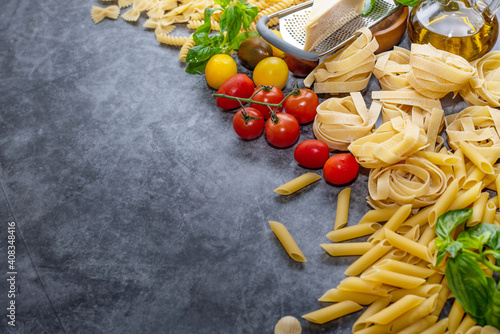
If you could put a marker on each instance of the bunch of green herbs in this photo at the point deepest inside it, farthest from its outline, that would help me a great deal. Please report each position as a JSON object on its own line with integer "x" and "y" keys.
{"x": 235, "y": 15}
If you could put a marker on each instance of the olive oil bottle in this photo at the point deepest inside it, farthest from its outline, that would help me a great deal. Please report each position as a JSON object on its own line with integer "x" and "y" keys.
{"x": 456, "y": 26}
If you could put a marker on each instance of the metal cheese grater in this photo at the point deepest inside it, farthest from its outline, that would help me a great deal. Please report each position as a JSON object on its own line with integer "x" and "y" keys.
{"x": 293, "y": 20}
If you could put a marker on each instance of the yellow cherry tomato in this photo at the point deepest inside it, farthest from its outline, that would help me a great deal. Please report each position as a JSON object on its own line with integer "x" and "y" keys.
{"x": 277, "y": 52}
{"x": 220, "y": 68}
{"x": 271, "y": 71}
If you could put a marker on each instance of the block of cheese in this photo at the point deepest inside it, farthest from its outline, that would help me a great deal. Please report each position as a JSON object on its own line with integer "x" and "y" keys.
{"x": 327, "y": 16}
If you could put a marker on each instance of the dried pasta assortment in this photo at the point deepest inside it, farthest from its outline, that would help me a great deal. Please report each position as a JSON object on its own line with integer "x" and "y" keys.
{"x": 484, "y": 88}
{"x": 348, "y": 70}
{"x": 340, "y": 121}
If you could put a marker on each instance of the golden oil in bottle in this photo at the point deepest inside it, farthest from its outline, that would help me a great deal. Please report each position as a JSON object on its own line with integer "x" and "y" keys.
{"x": 454, "y": 26}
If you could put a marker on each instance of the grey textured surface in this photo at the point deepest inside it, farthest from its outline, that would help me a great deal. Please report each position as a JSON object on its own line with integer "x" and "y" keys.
{"x": 138, "y": 210}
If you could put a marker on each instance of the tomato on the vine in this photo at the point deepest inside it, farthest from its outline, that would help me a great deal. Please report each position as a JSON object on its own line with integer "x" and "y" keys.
{"x": 311, "y": 153}
{"x": 302, "y": 105}
{"x": 239, "y": 85}
{"x": 340, "y": 169}
{"x": 267, "y": 94}
{"x": 248, "y": 123}
{"x": 282, "y": 130}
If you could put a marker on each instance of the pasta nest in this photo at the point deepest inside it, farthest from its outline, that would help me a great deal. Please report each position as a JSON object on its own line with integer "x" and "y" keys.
{"x": 392, "y": 67}
{"x": 415, "y": 181}
{"x": 340, "y": 121}
{"x": 484, "y": 88}
{"x": 435, "y": 73}
{"x": 348, "y": 70}
{"x": 392, "y": 142}
{"x": 478, "y": 126}
{"x": 425, "y": 119}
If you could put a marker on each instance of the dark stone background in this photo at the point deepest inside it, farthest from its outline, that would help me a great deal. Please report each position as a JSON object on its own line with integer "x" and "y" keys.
{"x": 138, "y": 209}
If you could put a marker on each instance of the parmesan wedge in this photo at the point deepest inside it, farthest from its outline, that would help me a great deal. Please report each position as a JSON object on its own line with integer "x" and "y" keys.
{"x": 327, "y": 16}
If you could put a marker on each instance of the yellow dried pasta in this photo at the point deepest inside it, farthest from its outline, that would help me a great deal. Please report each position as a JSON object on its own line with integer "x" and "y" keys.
{"x": 194, "y": 24}
{"x": 185, "y": 48}
{"x": 393, "y": 141}
{"x": 99, "y": 13}
{"x": 133, "y": 14}
{"x": 172, "y": 40}
{"x": 392, "y": 67}
{"x": 340, "y": 121}
{"x": 484, "y": 88}
{"x": 348, "y": 70}
{"x": 435, "y": 73}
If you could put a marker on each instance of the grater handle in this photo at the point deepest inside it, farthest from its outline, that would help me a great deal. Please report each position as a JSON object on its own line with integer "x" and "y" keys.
{"x": 279, "y": 43}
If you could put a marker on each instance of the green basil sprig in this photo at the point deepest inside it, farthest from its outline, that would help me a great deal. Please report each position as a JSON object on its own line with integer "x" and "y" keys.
{"x": 477, "y": 293}
{"x": 235, "y": 14}
{"x": 370, "y": 3}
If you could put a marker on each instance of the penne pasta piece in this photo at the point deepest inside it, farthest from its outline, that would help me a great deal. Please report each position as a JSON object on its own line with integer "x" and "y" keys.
{"x": 497, "y": 186}
{"x": 393, "y": 223}
{"x": 466, "y": 324}
{"x": 420, "y": 218}
{"x": 393, "y": 278}
{"x": 369, "y": 258}
{"x": 489, "y": 212}
{"x": 455, "y": 316}
{"x": 467, "y": 197}
{"x": 347, "y": 249}
{"x": 375, "y": 307}
{"x": 443, "y": 202}
{"x": 415, "y": 314}
{"x": 425, "y": 290}
{"x": 409, "y": 246}
{"x": 297, "y": 183}
{"x": 419, "y": 326}
{"x": 287, "y": 241}
{"x": 378, "y": 215}
{"x": 332, "y": 312}
{"x": 413, "y": 234}
{"x": 476, "y": 157}
{"x": 393, "y": 311}
{"x": 353, "y": 232}
{"x": 427, "y": 236}
{"x": 342, "y": 212}
{"x": 478, "y": 209}
{"x": 336, "y": 295}
{"x": 439, "y": 158}
{"x": 438, "y": 328}
{"x": 442, "y": 297}
{"x": 358, "y": 284}
{"x": 459, "y": 168}
{"x": 404, "y": 268}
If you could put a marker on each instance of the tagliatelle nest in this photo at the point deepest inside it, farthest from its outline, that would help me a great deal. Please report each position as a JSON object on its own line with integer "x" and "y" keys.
{"x": 392, "y": 67}
{"x": 484, "y": 88}
{"x": 340, "y": 121}
{"x": 414, "y": 181}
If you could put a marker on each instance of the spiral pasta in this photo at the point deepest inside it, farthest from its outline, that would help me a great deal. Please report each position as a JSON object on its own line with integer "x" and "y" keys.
{"x": 484, "y": 88}
{"x": 283, "y": 4}
{"x": 435, "y": 73}
{"x": 414, "y": 181}
{"x": 185, "y": 48}
{"x": 340, "y": 121}
{"x": 348, "y": 70}
{"x": 392, "y": 142}
{"x": 172, "y": 40}
{"x": 194, "y": 24}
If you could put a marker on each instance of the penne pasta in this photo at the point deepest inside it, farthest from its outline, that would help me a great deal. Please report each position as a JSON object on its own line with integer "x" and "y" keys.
{"x": 459, "y": 168}
{"x": 439, "y": 158}
{"x": 443, "y": 202}
{"x": 375, "y": 307}
{"x": 438, "y": 328}
{"x": 455, "y": 316}
{"x": 336, "y": 295}
{"x": 393, "y": 223}
{"x": 287, "y": 241}
{"x": 393, "y": 278}
{"x": 478, "y": 209}
{"x": 424, "y": 290}
{"x": 419, "y": 326}
{"x": 395, "y": 310}
{"x": 466, "y": 324}
{"x": 369, "y": 258}
{"x": 353, "y": 232}
{"x": 342, "y": 212}
{"x": 466, "y": 198}
{"x": 409, "y": 246}
{"x": 489, "y": 212}
{"x": 332, "y": 312}
{"x": 415, "y": 314}
{"x": 358, "y": 284}
{"x": 404, "y": 268}
{"x": 378, "y": 215}
{"x": 476, "y": 157}
{"x": 347, "y": 249}
{"x": 297, "y": 183}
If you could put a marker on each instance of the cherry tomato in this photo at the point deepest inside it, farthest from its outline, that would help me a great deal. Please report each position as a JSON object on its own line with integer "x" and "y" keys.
{"x": 300, "y": 67}
{"x": 248, "y": 123}
{"x": 271, "y": 71}
{"x": 220, "y": 68}
{"x": 311, "y": 153}
{"x": 268, "y": 94}
{"x": 302, "y": 106}
{"x": 282, "y": 130}
{"x": 239, "y": 85}
{"x": 340, "y": 169}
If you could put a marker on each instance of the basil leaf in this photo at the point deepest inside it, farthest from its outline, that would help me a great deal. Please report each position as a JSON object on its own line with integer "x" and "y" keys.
{"x": 367, "y": 7}
{"x": 490, "y": 232}
{"x": 222, "y": 3}
{"x": 207, "y": 25}
{"x": 200, "y": 38}
{"x": 198, "y": 53}
{"x": 469, "y": 286}
{"x": 449, "y": 220}
{"x": 242, "y": 37}
{"x": 196, "y": 68}
{"x": 454, "y": 248}
{"x": 249, "y": 12}
{"x": 409, "y": 3}
{"x": 493, "y": 317}
{"x": 230, "y": 22}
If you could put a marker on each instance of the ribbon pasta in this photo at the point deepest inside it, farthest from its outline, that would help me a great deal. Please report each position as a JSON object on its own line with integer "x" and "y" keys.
{"x": 392, "y": 67}
{"x": 348, "y": 70}
{"x": 484, "y": 88}
{"x": 340, "y": 121}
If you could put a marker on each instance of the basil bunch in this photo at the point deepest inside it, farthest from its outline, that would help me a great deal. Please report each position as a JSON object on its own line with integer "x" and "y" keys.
{"x": 477, "y": 293}
{"x": 234, "y": 14}
{"x": 370, "y": 3}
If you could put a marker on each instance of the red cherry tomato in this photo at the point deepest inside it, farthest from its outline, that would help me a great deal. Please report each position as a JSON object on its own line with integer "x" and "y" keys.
{"x": 282, "y": 130}
{"x": 340, "y": 169}
{"x": 311, "y": 153}
{"x": 302, "y": 106}
{"x": 248, "y": 123}
{"x": 268, "y": 94}
{"x": 239, "y": 85}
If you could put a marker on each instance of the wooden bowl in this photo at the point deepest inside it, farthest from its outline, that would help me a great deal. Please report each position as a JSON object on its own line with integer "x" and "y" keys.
{"x": 390, "y": 30}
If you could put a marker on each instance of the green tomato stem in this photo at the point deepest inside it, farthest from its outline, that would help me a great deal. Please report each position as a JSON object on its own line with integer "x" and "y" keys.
{"x": 250, "y": 100}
